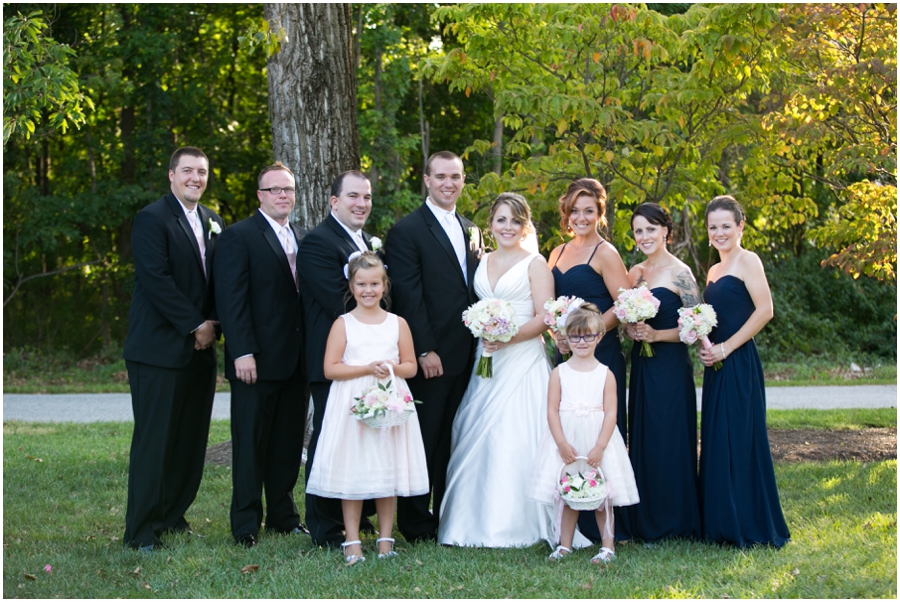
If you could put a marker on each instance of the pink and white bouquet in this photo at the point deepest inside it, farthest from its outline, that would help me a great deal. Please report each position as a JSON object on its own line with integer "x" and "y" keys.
{"x": 558, "y": 311}
{"x": 493, "y": 320}
{"x": 637, "y": 305}
{"x": 381, "y": 406}
{"x": 585, "y": 490}
{"x": 695, "y": 323}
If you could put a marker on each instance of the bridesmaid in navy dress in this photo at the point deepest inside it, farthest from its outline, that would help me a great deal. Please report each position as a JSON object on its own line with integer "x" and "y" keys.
{"x": 589, "y": 267}
{"x": 662, "y": 419}
{"x": 738, "y": 497}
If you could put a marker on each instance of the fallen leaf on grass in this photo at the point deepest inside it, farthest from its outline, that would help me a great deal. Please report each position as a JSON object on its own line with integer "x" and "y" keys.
{"x": 30, "y": 577}
{"x": 250, "y": 568}
{"x": 136, "y": 571}
{"x": 33, "y": 458}
{"x": 419, "y": 562}
{"x": 147, "y": 586}
{"x": 415, "y": 589}
{"x": 795, "y": 572}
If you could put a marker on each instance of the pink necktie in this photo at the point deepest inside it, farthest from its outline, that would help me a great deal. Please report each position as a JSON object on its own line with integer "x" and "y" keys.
{"x": 198, "y": 234}
{"x": 289, "y": 250}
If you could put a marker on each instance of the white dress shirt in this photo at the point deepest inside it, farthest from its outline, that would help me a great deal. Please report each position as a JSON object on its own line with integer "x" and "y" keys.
{"x": 356, "y": 235}
{"x": 450, "y": 223}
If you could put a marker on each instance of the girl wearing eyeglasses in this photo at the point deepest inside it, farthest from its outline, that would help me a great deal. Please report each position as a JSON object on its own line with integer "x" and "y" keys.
{"x": 662, "y": 420}
{"x": 581, "y": 410}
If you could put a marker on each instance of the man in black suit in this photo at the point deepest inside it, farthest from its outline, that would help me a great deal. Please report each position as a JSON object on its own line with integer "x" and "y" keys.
{"x": 322, "y": 256}
{"x": 261, "y": 317}
{"x": 432, "y": 254}
{"x": 170, "y": 353}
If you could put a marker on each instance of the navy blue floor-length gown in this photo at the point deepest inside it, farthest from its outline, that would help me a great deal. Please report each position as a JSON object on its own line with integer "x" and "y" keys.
{"x": 662, "y": 426}
{"x": 583, "y": 281}
{"x": 739, "y": 501}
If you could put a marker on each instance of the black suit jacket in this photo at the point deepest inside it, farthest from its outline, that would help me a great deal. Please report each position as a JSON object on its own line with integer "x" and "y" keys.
{"x": 256, "y": 299}
{"x": 323, "y": 288}
{"x": 427, "y": 285}
{"x": 171, "y": 295}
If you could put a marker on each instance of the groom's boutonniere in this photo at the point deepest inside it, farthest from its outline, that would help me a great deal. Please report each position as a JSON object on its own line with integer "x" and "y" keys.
{"x": 214, "y": 227}
{"x": 375, "y": 243}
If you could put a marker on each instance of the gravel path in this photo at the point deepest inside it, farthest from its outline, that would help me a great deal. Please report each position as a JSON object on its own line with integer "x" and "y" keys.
{"x": 116, "y": 407}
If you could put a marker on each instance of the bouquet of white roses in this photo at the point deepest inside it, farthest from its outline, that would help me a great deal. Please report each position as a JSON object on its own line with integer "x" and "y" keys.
{"x": 493, "y": 320}
{"x": 636, "y": 305}
{"x": 558, "y": 311}
{"x": 381, "y": 406}
{"x": 695, "y": 323}
{"x": 583, "y": 490}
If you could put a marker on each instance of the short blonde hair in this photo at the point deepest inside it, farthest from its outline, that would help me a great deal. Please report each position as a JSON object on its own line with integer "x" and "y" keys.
{"x": 585, "y": 319}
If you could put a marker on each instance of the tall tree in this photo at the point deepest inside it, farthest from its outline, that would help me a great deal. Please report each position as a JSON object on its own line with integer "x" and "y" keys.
{"x": 312, "y": 99}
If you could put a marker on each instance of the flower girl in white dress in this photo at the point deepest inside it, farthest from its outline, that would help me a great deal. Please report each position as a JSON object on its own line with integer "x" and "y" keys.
{"x": 355, "y": 462}
{"x": 581, "y": 410}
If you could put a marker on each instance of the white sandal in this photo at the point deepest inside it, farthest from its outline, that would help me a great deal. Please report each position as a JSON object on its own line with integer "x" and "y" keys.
{"x": 352, "y": 558}
{"x": 605, "y": 555}
{"x": 389, "y": 554}
{"x": 558, "y": 553}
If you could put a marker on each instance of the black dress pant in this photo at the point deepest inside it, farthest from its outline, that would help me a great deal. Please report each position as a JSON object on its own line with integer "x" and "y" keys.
{"x": 172, "y": 409}
{"x": 441, "y": 397}
{"x": 268, "y": 420}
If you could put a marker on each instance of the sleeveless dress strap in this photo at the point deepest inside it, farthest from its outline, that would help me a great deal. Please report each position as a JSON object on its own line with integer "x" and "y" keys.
{"x": 561, "y": 251}
{"x": 595, "y": 250}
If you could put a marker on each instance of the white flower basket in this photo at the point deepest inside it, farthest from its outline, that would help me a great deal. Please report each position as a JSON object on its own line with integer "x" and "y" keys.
{"x": 585, "y": 503}
{"x": 387, "y": 419}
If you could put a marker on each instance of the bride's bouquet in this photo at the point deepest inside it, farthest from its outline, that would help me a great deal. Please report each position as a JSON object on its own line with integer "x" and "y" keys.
{"x": 695, "y": 323}
{"x": 558, "y": 311}
{"x": 583, "y": 491}
{"x": 381, "y": 406}
{"x": 637, "y": 305}
{"x": 493, "y": 320}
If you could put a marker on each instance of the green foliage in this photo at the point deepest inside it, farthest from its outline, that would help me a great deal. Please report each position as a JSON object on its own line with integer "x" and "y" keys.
{"x": 642, "y": 102}
{"x": 826, "y": 312}
{"x": 40, "y": 91}
{"x": 159, "y": 77}
{"x": 64, "y": 493}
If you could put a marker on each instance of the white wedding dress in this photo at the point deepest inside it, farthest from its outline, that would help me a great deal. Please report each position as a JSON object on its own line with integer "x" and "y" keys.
{"x": 496, "y": 434}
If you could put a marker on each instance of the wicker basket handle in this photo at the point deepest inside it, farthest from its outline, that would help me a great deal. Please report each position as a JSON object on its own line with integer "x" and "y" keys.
{"x": 563, "y": 467}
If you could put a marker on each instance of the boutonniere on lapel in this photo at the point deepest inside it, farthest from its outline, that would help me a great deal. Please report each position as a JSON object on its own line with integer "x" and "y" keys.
{"x": 474, "y": 240}
{"x": 214, "y": 227}
{"x": 375, "y": 243}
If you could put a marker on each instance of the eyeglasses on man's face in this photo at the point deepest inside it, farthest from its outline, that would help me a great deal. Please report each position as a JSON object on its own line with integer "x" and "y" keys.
{"x": 278, "y": 189}
{"x": 587, "y": 338}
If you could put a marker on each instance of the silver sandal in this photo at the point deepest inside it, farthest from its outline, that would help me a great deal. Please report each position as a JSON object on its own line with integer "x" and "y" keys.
{"x": 391, "y": 553}
{"x": 558, "y": 553}
{"x": 605, "y": 556}
{"x": 352, "y": 559}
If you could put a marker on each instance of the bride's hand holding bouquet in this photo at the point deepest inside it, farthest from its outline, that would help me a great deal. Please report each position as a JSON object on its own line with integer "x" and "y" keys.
{"x": 492, "y": 320}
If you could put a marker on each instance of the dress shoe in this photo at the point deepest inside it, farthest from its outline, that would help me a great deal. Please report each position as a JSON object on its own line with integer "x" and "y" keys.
{"x": 248, "y": 541}
{"x": 298, "y": 530}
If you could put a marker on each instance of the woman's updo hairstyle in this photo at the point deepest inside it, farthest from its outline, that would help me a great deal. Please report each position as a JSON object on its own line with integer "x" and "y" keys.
{"x": 727, "y": 203}
{"x": 582, "y": 186}
{"x": 518, "y": 206}
{"x": 656, "y": 215}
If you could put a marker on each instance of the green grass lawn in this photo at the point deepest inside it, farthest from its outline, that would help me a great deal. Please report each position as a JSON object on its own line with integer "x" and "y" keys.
{"x": 64, "y": 494}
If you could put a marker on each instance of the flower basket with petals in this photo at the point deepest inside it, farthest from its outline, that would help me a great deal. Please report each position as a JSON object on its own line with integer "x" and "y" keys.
{"x": 585, "y": 490}
{"x": 381, "y": 406}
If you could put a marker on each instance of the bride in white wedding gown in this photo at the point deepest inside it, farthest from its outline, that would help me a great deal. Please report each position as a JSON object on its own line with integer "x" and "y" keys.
{"x": 501, "y": 419}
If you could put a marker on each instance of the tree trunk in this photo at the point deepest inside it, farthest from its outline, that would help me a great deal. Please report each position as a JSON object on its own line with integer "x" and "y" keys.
{"x": 312, "y": 100}
{"x": 497, "y": 152}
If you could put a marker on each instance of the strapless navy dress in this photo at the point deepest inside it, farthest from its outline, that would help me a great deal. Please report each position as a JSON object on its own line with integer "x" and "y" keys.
{"x": 663, "y": 433}
{"x": 582, "y": 281}
{"x": 739, "y": 501}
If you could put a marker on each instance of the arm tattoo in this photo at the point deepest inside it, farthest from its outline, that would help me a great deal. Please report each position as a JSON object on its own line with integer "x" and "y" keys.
{"x": 688, "y": 289}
